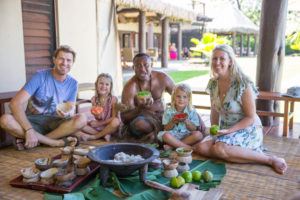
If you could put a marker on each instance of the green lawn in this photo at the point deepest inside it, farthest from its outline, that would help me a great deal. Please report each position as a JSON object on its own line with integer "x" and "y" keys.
{"x": 179, "y": 76}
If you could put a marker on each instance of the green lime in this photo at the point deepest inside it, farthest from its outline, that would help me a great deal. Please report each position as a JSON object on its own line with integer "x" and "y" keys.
{"x": 181, "y": 180}
{"x": 214, "y": 129}
{"x": 207, "y": 176}
{"x": 174, "y": 182}
{"x": 196, "y": 175}
{"x": 187, "y": 175}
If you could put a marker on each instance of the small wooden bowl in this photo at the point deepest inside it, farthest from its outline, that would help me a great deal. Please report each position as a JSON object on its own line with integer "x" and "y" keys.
{"x": 184, "y": 151}
{"x": 170, "y": 164}
{"x": 81, "y": 162}
{"x": 30, "y": 172}
{"x": 62, "y": 162}
{"x": 81, "y": 151}
{"x": 43, "y": 163}
{"x": 49, "y": 173}
{"x": 62, "y": 177}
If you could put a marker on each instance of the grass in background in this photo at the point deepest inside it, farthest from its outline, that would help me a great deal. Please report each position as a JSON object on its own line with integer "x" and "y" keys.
{"x": 179, "y": 76}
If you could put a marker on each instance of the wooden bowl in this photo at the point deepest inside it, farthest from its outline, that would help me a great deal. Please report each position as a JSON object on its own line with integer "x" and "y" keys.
{"x": 105, "y": 154}
{"x": 170, "y": 164}
{"x": 49, "y": 173}
{"x": 30, "y": 172}
{"x": 81, "y": 151}
{"x": 184, "y": 151}
{"x": 62, "y": 177}
{"x": 43, "y": 163}
{"x": 62, "y": 162}
{"x": 81, "y": 162}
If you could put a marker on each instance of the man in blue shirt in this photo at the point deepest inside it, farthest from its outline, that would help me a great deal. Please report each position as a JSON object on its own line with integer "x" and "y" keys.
{"x": 44, "y": 121}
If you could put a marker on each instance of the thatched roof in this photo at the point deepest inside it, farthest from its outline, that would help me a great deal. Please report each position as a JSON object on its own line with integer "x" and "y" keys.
{"x": 163, "y": 7}
{"x": 229, "y": 19}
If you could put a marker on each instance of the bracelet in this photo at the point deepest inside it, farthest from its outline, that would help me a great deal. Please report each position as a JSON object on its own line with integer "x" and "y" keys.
{"x": 28, "y": 129}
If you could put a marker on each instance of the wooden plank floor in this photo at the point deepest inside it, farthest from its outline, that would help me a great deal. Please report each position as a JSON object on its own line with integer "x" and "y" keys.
{"x": 243, "y": 181}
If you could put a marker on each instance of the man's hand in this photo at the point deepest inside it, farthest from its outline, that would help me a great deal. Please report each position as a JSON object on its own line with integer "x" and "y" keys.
{"x": 31, "y": 139}
{"x": 145, "y": 102}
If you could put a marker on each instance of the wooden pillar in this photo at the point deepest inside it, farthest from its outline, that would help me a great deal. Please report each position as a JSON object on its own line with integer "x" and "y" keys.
{"x": 233, "y": 42}
{"x": 248, "y": 45}
{"x": 165, "y": 42}
{"x": 150, "y": 39}
{"x": 271, "y": 51}
{"x": 241, "y": 45}
{"x": 142, "y": 32}
{"x": 255, "y": 45}
{"x": 179, "y": 41}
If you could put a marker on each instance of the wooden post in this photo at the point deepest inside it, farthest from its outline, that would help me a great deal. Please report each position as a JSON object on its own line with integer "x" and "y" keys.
{"x": 165, "y": 42}
{"x": 150, "y": 38}
{"x": 271, "y": 51}
{"x": 241, "y": 45}
{"x": 142, "y": 32}
{"x": 179, "y": 41}
{"x": 255, "y": 44}
{"x": 233, "y": 41}
{"x": 248, "y": 44}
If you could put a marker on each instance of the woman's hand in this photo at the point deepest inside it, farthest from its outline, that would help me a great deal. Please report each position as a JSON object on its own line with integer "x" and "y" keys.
{"x": 223, "y": 132}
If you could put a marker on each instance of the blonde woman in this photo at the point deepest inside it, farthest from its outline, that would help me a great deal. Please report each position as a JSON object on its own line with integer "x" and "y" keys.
{"x": 233, "y": 96}
{"x": 180, "y": 120}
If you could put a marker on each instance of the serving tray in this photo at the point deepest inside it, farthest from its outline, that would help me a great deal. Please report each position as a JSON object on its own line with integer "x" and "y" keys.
{"x": 18, "y": 181}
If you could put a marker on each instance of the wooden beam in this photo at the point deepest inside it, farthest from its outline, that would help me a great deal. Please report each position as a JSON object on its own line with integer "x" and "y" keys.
{"x": 142, "y": 32}
{"x": 165, "y": 42}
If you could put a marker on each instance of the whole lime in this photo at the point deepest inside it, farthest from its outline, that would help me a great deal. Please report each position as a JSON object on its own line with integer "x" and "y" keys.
{"x": 207, "y": 176}
{"x": 181, "y": 180}
{"x": 214, "y": 129}
{"x": 196, "y": 175}
{"x": 188, "y": 176}
{"x": 174, "y": 182}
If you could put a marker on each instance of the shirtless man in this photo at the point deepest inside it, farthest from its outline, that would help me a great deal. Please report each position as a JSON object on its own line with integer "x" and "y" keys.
{"x": 143, "y": 119}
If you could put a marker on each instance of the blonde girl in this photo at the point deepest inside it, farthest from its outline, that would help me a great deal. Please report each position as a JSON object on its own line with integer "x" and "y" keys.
{"x": 181, "y": 121}
{"x": 107, "y": 122}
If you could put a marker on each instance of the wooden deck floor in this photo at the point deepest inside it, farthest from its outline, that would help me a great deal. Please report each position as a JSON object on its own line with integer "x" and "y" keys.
{"x": 242, "y": 181}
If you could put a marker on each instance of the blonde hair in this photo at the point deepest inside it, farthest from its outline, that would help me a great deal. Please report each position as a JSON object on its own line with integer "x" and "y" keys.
{"x": 103, "y": 75}
{"x": 235, "y": 69}
{"x": 185, "y": 88}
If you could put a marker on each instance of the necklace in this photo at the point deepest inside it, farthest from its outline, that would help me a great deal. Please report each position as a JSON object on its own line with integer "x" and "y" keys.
{"x": 101, "y": 100}
{"x": 150, "y": 85}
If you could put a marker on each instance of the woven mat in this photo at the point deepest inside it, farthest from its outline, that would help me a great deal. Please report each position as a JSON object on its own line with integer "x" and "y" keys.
{"x": 243, "y": 181}
{"x": 252, "y": 181}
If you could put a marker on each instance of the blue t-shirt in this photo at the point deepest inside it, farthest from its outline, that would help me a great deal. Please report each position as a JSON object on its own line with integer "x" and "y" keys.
{"x": 46, "y": 92}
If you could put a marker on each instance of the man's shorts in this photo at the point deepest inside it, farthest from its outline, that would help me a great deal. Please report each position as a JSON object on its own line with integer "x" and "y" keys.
{"x": 44, "y": 124}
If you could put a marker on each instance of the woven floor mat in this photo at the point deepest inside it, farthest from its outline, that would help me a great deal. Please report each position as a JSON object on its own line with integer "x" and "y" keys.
{"x": 242, "y": 181}
{"x": 9, "y": 169}
{"x": 247, "y": 185}
{"x": 253, "y": 181}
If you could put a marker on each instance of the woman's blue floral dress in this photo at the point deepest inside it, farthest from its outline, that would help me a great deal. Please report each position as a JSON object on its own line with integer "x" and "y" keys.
{"x": 231, "y": 112}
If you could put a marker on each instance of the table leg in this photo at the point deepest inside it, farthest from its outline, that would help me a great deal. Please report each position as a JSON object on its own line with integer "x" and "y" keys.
{"x": 291, "y": 123}
{"x": 286, "y": 118}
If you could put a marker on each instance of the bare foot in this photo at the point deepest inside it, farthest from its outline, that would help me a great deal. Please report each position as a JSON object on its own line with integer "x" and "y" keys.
{"x": 278, "y": 164}
{"x": 83, "y": 136}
